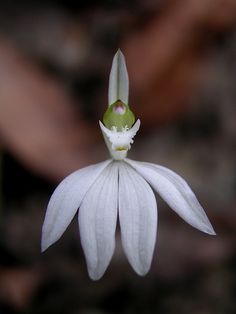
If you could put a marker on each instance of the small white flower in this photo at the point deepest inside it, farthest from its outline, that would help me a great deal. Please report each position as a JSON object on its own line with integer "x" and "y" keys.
{"x": 122, "y": 188}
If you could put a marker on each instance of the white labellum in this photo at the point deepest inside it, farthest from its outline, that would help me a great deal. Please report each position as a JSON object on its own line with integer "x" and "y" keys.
{"x": 119, "y": 142}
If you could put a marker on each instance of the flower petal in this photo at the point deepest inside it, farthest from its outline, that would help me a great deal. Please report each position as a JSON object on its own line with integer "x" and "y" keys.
{"x": 65, "y": 201}
{"x": 138, "y": 218}
{"x": 97, "y": 221}
{"x": 116, "y": 140}
{"x": 176, "y": 192}
{"x": 118, "y": 80}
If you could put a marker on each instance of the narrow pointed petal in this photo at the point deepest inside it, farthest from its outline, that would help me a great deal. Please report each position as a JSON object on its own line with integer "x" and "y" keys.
{"x": 176, "y": 192}
{"x": 97, "y": 221}
{"x": 132, "y": 132}
{"x": 118, "y": 80}
{"x": 138, "y": 218}
{"x": 65, "y": 201}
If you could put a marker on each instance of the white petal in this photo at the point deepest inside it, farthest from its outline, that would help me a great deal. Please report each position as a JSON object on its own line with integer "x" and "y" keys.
{"x": 138, "y": 218}
{"x": 132, "y": 132}
{"x": 97, "y": 221}
{"x": 176, "y": 192}
{"x": 117, "y": 139}
{"x": 65, "y": 201}
{"x": 118, "y": 80}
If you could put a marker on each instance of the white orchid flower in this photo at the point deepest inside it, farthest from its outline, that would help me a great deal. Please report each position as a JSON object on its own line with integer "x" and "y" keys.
{"x": 119, "y": 187}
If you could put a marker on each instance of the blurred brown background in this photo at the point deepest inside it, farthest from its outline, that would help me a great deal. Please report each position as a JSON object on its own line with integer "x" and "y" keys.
{"x": 55, "y": 59}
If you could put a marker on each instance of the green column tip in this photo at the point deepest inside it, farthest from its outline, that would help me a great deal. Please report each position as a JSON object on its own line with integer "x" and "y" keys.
{"x": 118, "y": 115}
